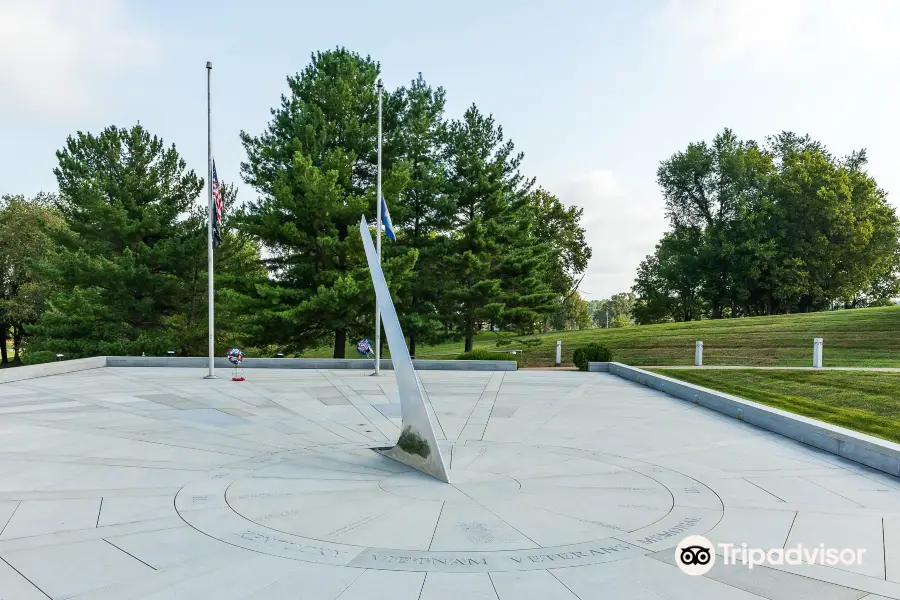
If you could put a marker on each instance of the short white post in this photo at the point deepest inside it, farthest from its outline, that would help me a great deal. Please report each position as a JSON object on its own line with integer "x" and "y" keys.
{"x": 817, "y": 353}
{"x": 558, "y": 352}
{"x": 698, "y": 354}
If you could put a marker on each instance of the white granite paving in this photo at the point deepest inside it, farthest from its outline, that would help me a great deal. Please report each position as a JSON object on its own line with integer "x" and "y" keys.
{"x": 148, "y": 483}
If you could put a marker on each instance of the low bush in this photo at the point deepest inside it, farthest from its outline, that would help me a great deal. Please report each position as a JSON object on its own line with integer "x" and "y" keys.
{"x": 36, "y": 357}
{"x": 482, "y": 354}
{"x": 594, "y": 352}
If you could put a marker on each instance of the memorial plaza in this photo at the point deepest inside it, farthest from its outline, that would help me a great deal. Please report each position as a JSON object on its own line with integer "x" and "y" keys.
{"x": 155, "y": 483}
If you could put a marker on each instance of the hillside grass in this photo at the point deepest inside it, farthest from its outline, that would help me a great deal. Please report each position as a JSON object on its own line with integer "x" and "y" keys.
{"x": 863, "y": 401}
{"x": 867, "y": 337}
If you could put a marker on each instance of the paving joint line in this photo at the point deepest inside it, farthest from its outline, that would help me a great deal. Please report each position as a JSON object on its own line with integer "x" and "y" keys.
{"x": 33, "y": 584}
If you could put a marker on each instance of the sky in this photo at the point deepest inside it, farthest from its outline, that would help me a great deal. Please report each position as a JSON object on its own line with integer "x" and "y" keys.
{"x": 595, "y": 93}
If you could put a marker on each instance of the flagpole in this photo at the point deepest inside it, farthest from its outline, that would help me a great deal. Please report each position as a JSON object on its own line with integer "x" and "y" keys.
{"x": 209, "y": 220}
{"x": 378, "y": 242}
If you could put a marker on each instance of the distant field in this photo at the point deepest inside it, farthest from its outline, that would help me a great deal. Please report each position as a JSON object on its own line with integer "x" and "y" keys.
{"x": 854, "y": 338}
{"x": 862, "y": 401}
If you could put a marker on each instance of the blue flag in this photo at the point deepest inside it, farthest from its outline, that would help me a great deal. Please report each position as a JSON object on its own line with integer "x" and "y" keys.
{"x": 386, "y": 220}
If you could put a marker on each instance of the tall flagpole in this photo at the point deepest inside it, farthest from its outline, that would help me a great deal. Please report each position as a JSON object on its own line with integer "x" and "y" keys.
{"x": 378, "y": 242}
{"x": 209, "y": 232}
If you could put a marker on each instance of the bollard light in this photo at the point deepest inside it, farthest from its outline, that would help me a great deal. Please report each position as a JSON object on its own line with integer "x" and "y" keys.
{"x": 698, "y": 354}
{"x": 558, "y": 352}
{"x": 59, "y": 356}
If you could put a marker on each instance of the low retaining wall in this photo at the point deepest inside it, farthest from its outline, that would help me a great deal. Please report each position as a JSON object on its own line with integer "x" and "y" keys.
{"x": 198, "y": 362}
{"x": 864, "y": 449}
{"x": 61, "y": 367}
{"x": 69, "y": 366}
{"x": 220, "y": 362}
{"x": 598, "y": 367}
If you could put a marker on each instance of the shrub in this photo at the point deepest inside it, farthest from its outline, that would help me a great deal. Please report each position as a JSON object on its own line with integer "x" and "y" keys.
{"x": 482, "y": 354}
{"x": 594, "y": 352}
{"x": 36, "y": 357}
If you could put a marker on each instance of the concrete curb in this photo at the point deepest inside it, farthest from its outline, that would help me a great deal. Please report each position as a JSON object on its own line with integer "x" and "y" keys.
{"x": 867, "y": 450}
{"x": 196, "y": 362}
{"x": 764, "y": 368}
{"x": 62, "y": 367}
{"x": 598, "y": 367}
{"x": 13, "y": 374}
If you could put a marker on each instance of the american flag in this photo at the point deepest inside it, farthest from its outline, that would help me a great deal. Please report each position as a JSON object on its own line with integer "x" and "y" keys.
{"x": 220, "y": 207}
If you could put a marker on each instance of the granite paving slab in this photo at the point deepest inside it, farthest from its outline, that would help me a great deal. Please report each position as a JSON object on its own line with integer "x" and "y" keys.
{"x": 155, "y": 484}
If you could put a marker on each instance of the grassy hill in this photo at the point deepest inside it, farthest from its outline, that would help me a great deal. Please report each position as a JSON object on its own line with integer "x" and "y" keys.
{"x": 861, "y": 337}
{"x": 864, "y": 401}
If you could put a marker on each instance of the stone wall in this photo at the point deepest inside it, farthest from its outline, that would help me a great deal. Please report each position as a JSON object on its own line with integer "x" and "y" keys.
{"x": 858, "y": 447}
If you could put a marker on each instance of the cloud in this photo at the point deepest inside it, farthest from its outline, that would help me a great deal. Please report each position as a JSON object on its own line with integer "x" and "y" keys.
{"x": 622, "y": 226}
{"x": 786, "y": 34}
{"x": 56, "y": 55}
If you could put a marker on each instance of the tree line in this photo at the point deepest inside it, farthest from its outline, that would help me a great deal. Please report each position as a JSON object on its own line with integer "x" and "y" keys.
{"x": 764, "y": 229}
{"x": 115, "y": 263}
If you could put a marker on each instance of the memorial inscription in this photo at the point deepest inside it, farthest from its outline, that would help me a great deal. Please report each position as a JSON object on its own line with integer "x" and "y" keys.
{"x": 429, "y": 560}
{"x": 271, "y": 541}
{"x": 484, "y": 521}
{"x": 576, "y": 554}
{"x": 679, "y": 528}
{"x": 497, "y": 561}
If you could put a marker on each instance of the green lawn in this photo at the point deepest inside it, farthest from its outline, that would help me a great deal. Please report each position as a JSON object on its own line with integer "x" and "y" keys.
{"x": 862, "y": 337}
{"x": 868, "y": 402}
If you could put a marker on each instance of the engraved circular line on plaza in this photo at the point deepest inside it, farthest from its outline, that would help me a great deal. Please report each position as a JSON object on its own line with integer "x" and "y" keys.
{"x": 430, "y": 481}
{"x": 546, "y": 550}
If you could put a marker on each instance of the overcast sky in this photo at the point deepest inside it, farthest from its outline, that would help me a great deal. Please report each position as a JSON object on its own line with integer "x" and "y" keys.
{"x": 595, "y": 93}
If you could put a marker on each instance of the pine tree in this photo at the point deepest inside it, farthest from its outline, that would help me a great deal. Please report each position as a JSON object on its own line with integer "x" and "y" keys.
{"x": 485, "y": 186}
{"x": 238, "y": 269}
{"x": 423, "y": 211}
{"x": 119, "y": 275}
{"x": 526, "y": 269}
{"x": 315, "y": 170}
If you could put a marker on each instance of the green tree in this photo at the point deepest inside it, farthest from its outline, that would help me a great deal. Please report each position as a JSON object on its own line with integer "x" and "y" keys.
{"x": 836, "y": 236}
{"x": 764, "y": 230}
{"x": 119, "y": 275}
{"x": 237, "y": 268}
{"x": 616, "y": 311}
{"x": 560, "y": 226}
{"x": 621, "y": 321}
{"x": 621, "y": 309}
{"x": 25, "y": 224}
{"x": 714, "y": 190}
{"x": 669, "y": 281}
{"x": 315, "y": 170}
{"x": 484, "y": 183}
{"x": 574, "y": 314}
{"x": 598, "y": 310}
{"x": 423, "y": 212}
{"x": 526, "y": 267}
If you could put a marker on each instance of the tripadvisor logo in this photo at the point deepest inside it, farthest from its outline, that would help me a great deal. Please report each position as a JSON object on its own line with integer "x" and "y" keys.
{"x": 696, "y": 555}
